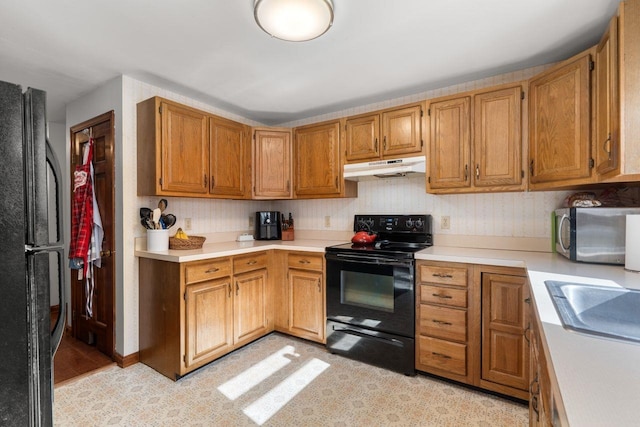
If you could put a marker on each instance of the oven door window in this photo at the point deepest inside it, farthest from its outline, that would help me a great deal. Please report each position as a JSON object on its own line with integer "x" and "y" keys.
{"x": 367, "y": 290}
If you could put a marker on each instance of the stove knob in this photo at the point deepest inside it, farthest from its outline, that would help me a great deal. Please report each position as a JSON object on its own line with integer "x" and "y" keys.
{"x": 419, "y": 223}
{"x": 409, "y": 223}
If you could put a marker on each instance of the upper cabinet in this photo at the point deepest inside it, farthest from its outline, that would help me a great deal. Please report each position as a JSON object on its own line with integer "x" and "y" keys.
{"x": 230, "y": 158}
{"x": 560, "y": 123}
{"x": 186, "y": 152}
{"x": 272, "y": 164}
{"x": 385, "y": 134}
{"x": 607, "y": 121}
{"x": 475, "y": 141}
{"x": 317, "y": 162}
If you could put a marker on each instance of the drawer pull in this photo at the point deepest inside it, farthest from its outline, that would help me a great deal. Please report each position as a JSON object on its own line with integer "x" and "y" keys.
{"x": 442, "y": 296}
{"x": 444, "y": 356}
{"x": 212, "y": 270}
{"x": 252, "y": 262}
{"x": 440, "y": 322}
{"x": 443, "y": 275}
{"x": 304, "y": 261}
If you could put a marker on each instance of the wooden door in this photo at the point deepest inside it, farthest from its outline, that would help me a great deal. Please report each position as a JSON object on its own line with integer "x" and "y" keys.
{"x": 505, "y": 318}
{"x": 272, "y": 164}
{"x": 185, "y": 149}
{"x": 362, "y": 134}
{"x": 497, "y": 138}
{"x": 450, "y": 143}
{"x": 607, "y": 99}
{"x": 402, "y": 131}
{"x": 250, "y": 306}
{"x": 209, "y": 321}
{"x": 318, "y": 171}
{"x": 97, "y": 329}
{"x": 230, "y": 159}
{"x": 306, "y": 303}
{"x": 559, "y": 123}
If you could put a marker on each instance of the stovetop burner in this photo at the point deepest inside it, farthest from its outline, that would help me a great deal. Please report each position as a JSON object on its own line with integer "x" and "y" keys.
{"x": 396, "y": 234}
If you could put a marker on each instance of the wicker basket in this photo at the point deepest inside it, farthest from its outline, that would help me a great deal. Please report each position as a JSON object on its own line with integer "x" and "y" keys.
{"x": 194, "y": 242}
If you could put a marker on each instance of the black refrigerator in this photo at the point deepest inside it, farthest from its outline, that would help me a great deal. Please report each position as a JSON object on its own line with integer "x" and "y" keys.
{"x": 31, "y": 255}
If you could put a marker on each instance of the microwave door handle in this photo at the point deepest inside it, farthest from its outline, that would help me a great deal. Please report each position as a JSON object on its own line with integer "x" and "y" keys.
{"x": 564, "y": 218}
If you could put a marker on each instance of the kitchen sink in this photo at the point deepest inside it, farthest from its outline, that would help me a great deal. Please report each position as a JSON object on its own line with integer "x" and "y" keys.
{"x": 597, "y": 310}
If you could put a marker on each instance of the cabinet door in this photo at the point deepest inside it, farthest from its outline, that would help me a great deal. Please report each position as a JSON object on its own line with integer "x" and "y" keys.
{"x": 272, "y": 164}
{"x": 229, "y": 163}
{"x": 505, "y": 318}
{"x": 250, "y": 306}
{"x": 497, "y": 138}
{"x": 450, "y": 143}
{"x": 607, "y": 137}
{"x": 362, "y": 138}
{"x": 185, "y": 150}
{"x": 306, "y": 305}
{"x": 559, "y": 124}
{"x": 318, "y": 171}
{"x": 209, "y": 321}
{"x": 402, "y": 131}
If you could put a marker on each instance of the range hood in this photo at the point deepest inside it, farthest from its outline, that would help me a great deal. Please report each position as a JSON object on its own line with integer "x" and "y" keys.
{"x": 385, "y": 168}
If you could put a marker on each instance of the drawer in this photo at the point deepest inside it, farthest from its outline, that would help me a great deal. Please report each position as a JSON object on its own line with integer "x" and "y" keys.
{"x": 305, "y": 261}
{"x": 456, "y": 276}
{"x": 207, "y": 270}
{"x": 445, "y": 323}
{"x": 443, "y": 296}
{"x": 443, "y": 355}
{"x": 249, "y": 262}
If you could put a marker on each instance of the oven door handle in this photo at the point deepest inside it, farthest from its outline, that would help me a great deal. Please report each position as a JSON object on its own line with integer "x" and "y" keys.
{"x": 349, "y": 331}
{"x": 370, "y": 260}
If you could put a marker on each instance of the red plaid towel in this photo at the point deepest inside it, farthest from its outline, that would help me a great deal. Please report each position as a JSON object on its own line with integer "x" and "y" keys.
{"x": 82, "y": 211}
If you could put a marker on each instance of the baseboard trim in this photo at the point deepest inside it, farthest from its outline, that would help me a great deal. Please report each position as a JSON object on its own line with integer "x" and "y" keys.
{"x": 126, "y": 361}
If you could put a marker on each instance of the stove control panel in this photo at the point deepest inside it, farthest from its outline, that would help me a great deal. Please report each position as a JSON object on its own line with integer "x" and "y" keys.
{"x": 420, "y": 224}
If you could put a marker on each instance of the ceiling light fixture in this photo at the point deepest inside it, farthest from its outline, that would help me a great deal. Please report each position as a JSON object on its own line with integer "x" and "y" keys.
{"x": 294, "y": 20}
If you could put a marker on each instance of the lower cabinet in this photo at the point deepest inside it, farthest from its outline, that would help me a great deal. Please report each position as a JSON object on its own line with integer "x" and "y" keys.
{"x": 304, "y": 293}
{"x": 472, "y": 325}
{"x": 192, "y": 313}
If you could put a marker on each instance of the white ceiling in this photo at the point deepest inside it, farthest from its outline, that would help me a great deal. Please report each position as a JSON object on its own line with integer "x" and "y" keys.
{"x": 213, "y": 51}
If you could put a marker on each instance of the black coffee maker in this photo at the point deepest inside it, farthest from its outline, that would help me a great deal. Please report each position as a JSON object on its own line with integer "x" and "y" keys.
{"x": 268, "y": 226}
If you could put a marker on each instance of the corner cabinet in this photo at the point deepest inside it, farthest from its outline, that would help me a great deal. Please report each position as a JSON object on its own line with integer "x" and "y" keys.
{"x": 560, "y": 125}
{"x": 317, "y": 162}
{"x": 272, "y": 164}
{"x": 475, "y": 141}
{"x": 192, "y": 313}
{"x": 385, "y": 134}
{"x": 472, "y": 323}
{"x": 185, "y": 152}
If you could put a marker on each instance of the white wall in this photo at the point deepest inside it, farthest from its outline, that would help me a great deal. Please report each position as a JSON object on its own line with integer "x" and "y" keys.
{"x": 484, "y": 219}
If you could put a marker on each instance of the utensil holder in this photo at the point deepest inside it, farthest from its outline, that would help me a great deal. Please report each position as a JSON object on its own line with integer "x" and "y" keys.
{"x": 158, "y": 240}
{"x": 288, "y": 234}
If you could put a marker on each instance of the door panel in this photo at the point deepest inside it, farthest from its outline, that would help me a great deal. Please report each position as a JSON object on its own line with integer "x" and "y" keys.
{"x": 98, "y": 329}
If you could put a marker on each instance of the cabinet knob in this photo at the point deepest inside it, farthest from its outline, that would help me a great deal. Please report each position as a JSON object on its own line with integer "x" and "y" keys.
{"x": 212, "y": 270}
{"x": 442, "y": 296}
{"x": 304, "y": 261}
{"x": 252, "y": 262}
{"x": 466, "y": 172}
{"x": 477, "y": 171}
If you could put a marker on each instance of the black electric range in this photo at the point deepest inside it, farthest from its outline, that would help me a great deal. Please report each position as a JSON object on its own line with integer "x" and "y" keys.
{"x": 371, "y": 291}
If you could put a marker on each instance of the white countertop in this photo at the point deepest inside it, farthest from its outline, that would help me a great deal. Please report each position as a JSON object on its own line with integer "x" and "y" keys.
{"x": 599, "y": 378}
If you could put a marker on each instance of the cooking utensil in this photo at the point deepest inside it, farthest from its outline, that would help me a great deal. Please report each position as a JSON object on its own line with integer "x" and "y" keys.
{"x": 162, "y": 204}
{"x": 156, "y": 217}
{"x": 146, "y": 213}
{"x": 146, "y": 223}
{"x": 169, "y": 220}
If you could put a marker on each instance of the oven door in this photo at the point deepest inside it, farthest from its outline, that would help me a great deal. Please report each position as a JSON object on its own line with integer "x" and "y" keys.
{"x": 372, "y": 292}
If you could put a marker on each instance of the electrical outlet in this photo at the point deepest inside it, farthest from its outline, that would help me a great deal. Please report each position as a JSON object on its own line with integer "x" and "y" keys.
{"x": 327, "y": 221}
{"x": 187, "y": 224}
{"x": 445, "y": 222}
{"x": 251, "y": 219}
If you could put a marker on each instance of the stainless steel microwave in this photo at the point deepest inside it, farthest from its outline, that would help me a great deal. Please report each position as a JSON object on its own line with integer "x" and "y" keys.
{"x": 592, "y": 235}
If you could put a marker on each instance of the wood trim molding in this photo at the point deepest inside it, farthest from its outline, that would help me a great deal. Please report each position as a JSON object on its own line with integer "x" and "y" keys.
{"x": 126, "y": 361}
